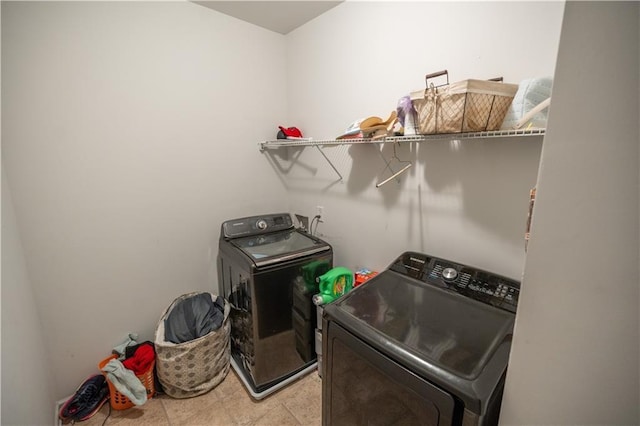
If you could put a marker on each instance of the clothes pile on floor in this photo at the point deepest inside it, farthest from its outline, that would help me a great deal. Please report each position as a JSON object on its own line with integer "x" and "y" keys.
{"x": 189, "y": 357}
{"x": 123, "y": 372}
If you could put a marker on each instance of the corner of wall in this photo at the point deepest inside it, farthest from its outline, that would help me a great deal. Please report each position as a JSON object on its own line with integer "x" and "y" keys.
{"x": 26, "y": 369}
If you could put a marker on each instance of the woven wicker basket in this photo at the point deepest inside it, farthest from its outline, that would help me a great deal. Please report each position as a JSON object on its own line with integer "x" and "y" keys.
{"x": 119, "y": 401}
{"x": 465, "y": 106}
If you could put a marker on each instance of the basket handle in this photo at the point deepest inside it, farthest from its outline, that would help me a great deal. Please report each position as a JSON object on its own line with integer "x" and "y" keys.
{"x": 499, "y": 79}
{"x": 434, "y": 75}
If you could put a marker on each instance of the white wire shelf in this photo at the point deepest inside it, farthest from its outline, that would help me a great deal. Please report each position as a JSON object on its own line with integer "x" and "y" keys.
{"x": 278, "y": 143}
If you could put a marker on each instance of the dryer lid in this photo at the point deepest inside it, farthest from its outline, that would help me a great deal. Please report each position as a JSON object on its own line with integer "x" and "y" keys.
{"x": 453, "y": 333}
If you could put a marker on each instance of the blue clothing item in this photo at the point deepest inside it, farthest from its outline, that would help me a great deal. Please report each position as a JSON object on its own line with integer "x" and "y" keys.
{"x": 120, "y": 350}
{"x": 193, "y": 317}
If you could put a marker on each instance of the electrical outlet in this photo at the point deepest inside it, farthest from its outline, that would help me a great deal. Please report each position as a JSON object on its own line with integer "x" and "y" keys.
{"x": 319, "y": 210}
{"x": 304, "y": 222}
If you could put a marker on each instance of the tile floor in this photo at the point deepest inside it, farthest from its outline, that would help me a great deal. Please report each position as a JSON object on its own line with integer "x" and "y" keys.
{"x": 227, "y": 404}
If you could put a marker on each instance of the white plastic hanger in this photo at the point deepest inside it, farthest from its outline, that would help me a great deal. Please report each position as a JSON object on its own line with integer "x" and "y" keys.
{"x": 407, "y": 166}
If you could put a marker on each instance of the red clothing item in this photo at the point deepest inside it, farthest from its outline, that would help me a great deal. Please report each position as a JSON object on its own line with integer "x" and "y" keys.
{"x": 141, "y": 360}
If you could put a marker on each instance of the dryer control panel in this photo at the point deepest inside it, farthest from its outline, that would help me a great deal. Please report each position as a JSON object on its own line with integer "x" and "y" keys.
{"x": 256, "y": 225}
{"x": 468, "y": 281}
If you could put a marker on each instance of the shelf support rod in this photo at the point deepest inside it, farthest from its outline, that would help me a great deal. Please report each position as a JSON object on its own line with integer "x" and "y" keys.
{"x": 329, "y": 161}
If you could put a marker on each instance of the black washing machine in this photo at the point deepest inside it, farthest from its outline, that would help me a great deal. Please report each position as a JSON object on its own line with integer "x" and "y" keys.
{"x": 267, "y": 271}
{"x": 425, "y": 342}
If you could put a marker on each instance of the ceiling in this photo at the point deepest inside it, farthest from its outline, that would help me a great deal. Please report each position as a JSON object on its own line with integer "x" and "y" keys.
{"x": 279, "y": 16}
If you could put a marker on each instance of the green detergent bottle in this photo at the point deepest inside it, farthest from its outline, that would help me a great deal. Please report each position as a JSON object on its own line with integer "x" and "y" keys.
{"x": 333, "y": 284}
{"x": 310, "y": 273}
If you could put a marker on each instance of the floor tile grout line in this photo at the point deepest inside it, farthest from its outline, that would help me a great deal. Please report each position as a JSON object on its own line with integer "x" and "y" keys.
{"x": 293, "y": 415}
{"x": 166, "y": 413}
{"x": 262, "y": 416}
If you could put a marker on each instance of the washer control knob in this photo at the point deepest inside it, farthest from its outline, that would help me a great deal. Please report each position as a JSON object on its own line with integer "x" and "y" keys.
{"x": 449, "y": 274}
{"x": 261, "y": 224}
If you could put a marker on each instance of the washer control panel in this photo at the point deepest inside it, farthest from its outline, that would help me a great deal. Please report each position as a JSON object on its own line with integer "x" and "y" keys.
{"x": 471, "y": 282}
{"x": 256, "y": 225}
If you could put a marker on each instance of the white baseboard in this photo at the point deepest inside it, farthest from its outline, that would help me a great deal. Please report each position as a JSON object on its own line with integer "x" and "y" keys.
{"x": 59, "y": 404}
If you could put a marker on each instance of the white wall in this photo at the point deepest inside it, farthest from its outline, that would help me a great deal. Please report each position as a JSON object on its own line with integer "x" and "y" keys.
{"x": 130, "y": 133}
{"x": 575, "y": 351}
{"x": 466, "y": 202}
{"x": 125, "y": 149}
{"x": 27, "y": 381}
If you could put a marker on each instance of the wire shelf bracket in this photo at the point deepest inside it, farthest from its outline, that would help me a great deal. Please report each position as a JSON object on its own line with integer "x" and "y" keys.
{"x": 329, "y": 161}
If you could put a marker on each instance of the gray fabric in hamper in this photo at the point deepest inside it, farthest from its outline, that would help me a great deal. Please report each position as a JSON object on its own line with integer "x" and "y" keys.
{"x": 195, "y": 367}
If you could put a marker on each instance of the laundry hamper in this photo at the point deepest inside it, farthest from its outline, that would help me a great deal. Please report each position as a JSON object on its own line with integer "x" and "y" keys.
{"x": 465, "y": 106}
{"x": 119, "y": 401}
{"x": 194, "y": 367}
